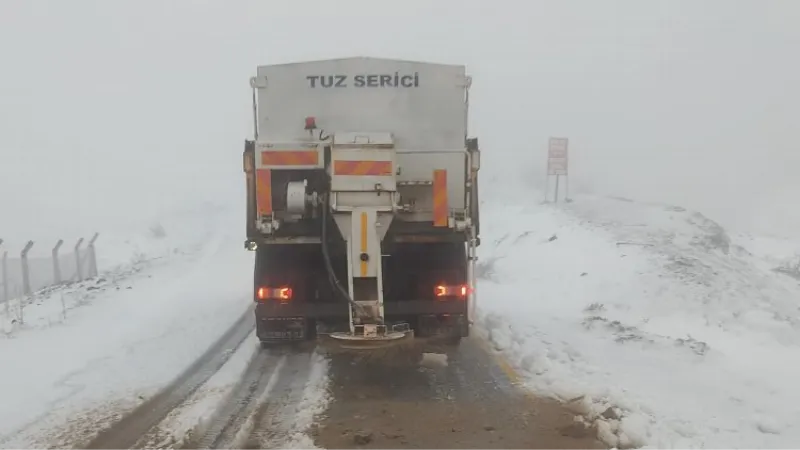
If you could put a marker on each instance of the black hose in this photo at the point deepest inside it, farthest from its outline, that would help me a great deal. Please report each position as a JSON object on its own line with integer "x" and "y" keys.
{"x": 326, "y": 257}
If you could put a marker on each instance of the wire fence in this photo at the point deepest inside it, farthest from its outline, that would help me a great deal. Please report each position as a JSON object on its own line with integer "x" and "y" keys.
{"x": 23, "y": 275}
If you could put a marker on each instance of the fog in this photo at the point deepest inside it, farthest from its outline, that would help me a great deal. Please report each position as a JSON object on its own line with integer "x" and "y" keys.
{"x": 114, "y": 112}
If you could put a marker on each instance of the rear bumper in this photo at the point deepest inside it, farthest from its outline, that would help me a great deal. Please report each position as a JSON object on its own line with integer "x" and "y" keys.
{"x": 339, "y": 310}
{"x": 297, "y": 321}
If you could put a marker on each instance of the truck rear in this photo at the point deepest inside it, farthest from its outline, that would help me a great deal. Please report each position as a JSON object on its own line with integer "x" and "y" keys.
{"x": 362, "y": 200}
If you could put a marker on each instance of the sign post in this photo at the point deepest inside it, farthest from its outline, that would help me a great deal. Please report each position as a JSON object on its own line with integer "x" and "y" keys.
{"x": 557, "y": 166}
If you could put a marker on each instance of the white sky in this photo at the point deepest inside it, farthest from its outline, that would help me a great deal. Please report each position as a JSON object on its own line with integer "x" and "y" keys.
{"x": 111, "y": 111}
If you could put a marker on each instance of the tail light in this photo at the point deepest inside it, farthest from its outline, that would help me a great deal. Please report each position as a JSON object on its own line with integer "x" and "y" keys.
{"x": 269, "y": 293}
{"x": 460, "y": 290}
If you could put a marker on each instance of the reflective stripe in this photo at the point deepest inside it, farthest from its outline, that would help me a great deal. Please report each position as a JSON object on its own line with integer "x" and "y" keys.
{"x": 440, "y": 206}
{"x": 290, "y": 158}
{"x": 374, "y": 168}
{"x": 264, "y": 191}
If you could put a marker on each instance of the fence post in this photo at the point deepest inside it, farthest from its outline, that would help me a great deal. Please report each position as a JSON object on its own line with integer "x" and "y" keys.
{"x": 78, "y": 271}
{"x": 93, "y": 256}
{"x": 56, "y": 263}
{"x": 5, "y": 277}
{"x": 26, "y": 281}
{"x": 4, "y": 280}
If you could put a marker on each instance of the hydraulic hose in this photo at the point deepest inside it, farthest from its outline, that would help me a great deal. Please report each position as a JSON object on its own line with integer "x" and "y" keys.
{"x": 326, "y": 257}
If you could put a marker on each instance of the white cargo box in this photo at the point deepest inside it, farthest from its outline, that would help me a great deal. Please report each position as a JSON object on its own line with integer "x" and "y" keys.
{"x": 421, "y": 104}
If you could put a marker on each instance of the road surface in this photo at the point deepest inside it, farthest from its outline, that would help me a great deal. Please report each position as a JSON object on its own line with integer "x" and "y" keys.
{"x": 460, "y": 398}
{"x": 447, "y": 397}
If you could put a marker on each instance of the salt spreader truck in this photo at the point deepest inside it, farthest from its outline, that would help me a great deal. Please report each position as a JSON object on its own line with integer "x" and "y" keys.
{"x": 362, "y": 201}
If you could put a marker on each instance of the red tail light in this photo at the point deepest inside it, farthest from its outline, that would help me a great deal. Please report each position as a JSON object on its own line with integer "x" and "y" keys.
{"x": 461, "y": 290}
{"x": 281, "y": 293}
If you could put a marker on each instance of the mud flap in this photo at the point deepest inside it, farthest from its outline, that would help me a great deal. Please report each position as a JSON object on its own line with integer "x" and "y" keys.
{"x": 444, "y": 325}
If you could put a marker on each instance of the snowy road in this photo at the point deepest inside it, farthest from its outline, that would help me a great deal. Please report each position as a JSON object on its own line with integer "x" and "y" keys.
{"x": 454, "y": 397}
{"x": 304, "y": 396}
{"x": 130, "y": 429}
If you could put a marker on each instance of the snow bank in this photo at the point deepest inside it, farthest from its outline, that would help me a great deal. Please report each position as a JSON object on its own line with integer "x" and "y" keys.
{"x": 675, "y": 333}
{"x": 124, "y": 336}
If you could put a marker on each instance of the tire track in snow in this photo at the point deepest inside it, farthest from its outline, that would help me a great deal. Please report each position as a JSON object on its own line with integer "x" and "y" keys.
{"x": 126, "y": 432}
{"x": 258, "y": 380}
{"x": 264, "y": 406}
{"x": 276, "y": 418}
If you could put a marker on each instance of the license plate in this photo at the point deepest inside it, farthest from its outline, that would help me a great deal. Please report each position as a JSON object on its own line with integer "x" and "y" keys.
{"x": 286, "y": 334}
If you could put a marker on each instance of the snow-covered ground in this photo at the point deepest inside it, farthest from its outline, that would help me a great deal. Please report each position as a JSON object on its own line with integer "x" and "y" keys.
{"x": 687, "y": 332}
{"x": 93, "y": 350}
{"x": 654, "y": 322}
